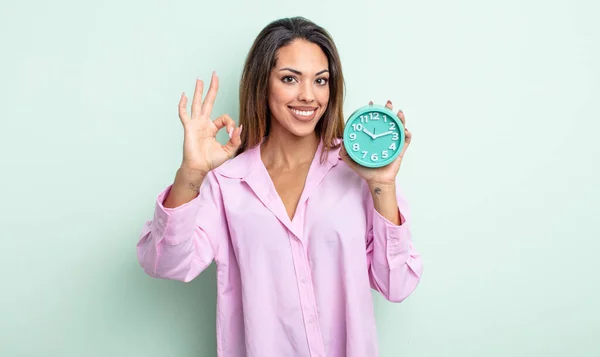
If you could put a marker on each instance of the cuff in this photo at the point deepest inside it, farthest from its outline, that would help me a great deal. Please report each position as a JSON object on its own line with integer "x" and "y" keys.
{"x": 392, "y": 242}
{"x": 174, "y": 225}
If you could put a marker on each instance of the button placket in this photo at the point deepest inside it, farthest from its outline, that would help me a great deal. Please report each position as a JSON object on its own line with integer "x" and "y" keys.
{"x": 307, "y": 299}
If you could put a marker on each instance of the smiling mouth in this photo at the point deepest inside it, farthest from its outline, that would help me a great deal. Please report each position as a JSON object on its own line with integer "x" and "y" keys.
{"x": 303, "y": 113}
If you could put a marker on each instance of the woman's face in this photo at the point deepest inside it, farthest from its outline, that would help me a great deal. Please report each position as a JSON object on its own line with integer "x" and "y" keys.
{"x": 298, "y": 88}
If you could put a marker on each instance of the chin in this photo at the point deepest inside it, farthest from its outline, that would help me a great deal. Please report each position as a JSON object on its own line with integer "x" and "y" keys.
{"x": 302, "y": 131}
{"x": 302, "y": 128}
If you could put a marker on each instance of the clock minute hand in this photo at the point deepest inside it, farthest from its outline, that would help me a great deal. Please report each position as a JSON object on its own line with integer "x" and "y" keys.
{"x": 382, "y": 134}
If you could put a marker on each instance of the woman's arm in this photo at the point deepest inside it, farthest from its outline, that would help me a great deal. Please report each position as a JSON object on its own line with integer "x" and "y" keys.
{"x": 385, "y": 202}
{"x": 184, "y": 234}
{"x": 395, "y": 267}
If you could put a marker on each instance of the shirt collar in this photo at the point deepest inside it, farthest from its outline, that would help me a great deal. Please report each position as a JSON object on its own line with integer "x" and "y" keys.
{"x": 249, "y": 161}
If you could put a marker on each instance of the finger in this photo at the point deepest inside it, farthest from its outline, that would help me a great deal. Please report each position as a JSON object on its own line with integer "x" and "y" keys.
{"x": 197, "y": 100}
{"x": 407, "y": 136}
{"x": 183, "y": 115}
{"x": 211, "y": 95}
{"x": 234, "y": 142}
{"x": 407, "y": 140}
{"x": 402, "y": 117}
{"x": 389, "y": 105}
{"x": 224, "y": 121}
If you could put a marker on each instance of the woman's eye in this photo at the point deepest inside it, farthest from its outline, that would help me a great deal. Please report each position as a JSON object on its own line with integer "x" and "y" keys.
{"x": 322, "y": 81}
{"x": 287, "y": 79}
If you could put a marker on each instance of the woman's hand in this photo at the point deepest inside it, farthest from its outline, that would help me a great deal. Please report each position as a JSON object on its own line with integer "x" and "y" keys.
{"x": 201, "y": 150}
{"x": 381, "y": 176}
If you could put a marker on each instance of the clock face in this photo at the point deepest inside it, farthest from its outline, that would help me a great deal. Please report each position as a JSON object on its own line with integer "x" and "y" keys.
{"x": 374, "y": 136}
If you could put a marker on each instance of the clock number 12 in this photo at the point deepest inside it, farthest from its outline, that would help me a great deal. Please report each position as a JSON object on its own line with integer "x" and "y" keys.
{"x": 372, "y": 116}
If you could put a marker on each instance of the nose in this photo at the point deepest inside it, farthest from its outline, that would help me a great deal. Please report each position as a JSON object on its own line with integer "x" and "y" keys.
{"x": 306, "y": 93}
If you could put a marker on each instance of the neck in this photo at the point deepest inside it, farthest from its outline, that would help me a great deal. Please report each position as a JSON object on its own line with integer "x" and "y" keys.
{"x": 287, "y": 151}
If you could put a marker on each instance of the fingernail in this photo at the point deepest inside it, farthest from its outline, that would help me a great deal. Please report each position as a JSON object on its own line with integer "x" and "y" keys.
{"x": 230, "y": 132}
{"x": 241, "y": 129}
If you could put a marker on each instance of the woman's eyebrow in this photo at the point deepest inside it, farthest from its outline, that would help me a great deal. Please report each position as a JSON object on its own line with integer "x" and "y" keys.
{"x": 300, "y": 73}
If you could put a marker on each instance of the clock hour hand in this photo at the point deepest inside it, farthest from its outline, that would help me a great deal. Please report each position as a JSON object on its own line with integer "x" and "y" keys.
{"x": 369, "y": 133}
{"x": 382, "y": 134}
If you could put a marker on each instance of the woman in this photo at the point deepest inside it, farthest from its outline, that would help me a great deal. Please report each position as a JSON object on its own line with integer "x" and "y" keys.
{"x": 299, "y": 232}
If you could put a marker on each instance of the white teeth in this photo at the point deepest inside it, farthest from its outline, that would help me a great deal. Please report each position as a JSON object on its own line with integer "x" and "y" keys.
{"x": 303, "y": 113}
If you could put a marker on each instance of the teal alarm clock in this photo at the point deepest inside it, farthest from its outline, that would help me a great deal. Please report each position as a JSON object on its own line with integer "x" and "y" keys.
{"x": 373, "y": 136}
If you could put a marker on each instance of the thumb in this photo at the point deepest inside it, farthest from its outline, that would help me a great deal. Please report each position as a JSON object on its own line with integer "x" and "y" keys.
{"x": 345, "y": 157}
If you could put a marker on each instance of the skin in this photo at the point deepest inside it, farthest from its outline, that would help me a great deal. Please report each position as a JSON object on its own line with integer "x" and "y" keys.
{"x": 298, "y": 80}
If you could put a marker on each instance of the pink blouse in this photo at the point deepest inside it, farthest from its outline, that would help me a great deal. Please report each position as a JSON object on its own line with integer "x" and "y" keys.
{"x": 286, "y": 288}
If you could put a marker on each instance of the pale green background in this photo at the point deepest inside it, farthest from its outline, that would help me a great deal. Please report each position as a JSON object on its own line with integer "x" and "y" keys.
{"x": 503, "y": 174}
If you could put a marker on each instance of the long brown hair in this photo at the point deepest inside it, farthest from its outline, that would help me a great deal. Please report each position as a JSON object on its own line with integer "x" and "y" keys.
{"x": 254, "y": 109}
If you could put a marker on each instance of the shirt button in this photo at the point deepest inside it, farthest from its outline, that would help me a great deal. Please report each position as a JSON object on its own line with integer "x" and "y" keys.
{"x": 311, "y": 320}
{"x": 303, "y": 280}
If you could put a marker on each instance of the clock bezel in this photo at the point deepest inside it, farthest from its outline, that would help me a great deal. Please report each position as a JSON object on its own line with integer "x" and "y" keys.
{"x": 348, "y": 129}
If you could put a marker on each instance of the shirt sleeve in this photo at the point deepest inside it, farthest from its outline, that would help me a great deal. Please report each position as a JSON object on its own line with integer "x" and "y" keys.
{"x": 179, "y": 243}
{"x": 395, "y": 267}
